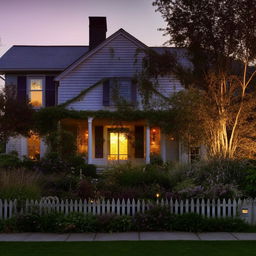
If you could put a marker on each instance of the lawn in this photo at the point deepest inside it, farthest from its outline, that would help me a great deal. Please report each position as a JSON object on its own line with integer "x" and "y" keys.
{"x": 158, "y": 248}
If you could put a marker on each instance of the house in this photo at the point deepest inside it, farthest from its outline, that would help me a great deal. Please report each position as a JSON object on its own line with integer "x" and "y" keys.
{"x": 54, "y": 75}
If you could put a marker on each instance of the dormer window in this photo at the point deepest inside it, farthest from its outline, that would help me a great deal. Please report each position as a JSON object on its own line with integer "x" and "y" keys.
{"x": 36, "y": 92}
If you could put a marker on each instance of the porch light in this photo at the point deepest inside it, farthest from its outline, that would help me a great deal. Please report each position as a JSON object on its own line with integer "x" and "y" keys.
{"x": 157, "y": 195}
{"x": 245, "y": 211}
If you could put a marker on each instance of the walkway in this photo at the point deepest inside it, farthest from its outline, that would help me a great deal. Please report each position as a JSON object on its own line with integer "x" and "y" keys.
{"x": 129, "y": 236}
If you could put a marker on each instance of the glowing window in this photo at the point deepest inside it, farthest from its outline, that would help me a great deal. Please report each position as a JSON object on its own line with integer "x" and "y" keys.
{"x": 118, "y": 146}
{"x": 33, "y": 146}
{"x": 36, "y": 92}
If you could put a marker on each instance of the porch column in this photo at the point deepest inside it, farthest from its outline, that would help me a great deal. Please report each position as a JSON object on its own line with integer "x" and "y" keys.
{"x": 147, "y": 144}
{"x": 90, "y": 140}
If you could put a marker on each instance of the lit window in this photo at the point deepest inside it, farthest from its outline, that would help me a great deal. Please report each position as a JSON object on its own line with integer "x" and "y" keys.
{"x": 118, "y": 146}
{"x": 33, "y": 146}
{"x": 155, "y": 141}
{"x": 194, "y": 153}
{"x": 36, "y": 92}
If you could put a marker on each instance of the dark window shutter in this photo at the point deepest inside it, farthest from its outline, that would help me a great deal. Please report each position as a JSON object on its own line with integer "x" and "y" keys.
{"x": 133, "y": 92}
{"x": 98, "y": 135}
{"x": 22, "y": 88}
{"x": 50, "y": 91}
{"x": 139, "y": 141}
{"x": 106, "y": 93}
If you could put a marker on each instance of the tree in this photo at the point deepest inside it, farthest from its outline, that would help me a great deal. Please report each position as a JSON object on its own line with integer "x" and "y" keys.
{"x": 220, "y": 38}
{"x": 16, "y": 118}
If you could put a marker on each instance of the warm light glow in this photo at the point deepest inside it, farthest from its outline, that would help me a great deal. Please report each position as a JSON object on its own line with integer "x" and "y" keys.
{"x": 36, "y": 92}
{"x": 36, "y": 98}
{"x": 82, "y": 140}
{"x": 118, "y": 146}
{"x": 33, "y": 143}
{"x": 155, "y": 141}
{"x": 157, "y": 195}
{"x": 245, "y": 211}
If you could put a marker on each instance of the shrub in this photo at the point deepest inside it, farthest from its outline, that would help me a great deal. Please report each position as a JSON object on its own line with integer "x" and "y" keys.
{"x": 28, "y": 223}
{"x": 156, "y": 159}
{"x": 60, "y": 185}
{"x": 52, "y": 163}
{"x": 63, "y": 142}
{"x": 85, "y": 189}
{"x": 250, "y": 183}
{"x": 78, "y": 222}
{"x": 155, "y": 219}
{"x": 132, "y": 176}
{"x": 52, "y": 222}
{"x": 189, "y": 222}
{"x": 9, "y": 161}
{"x": 222, "y": 171}
{"x": 225, "y": 225}
{"x": 119, "y": 224}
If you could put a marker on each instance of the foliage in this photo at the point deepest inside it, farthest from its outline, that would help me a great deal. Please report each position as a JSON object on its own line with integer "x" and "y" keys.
{"x": 19, "y": 184}
{"x": 14, "y": 120}
{"x": 62, "y": 185}
{"x": 154, "y": 219}
{"x": 53, "y": 163}
{"x": 63, "y": 142}
{"x": 220, "y": 45}
{"x": 250, "y": 183}
{"x": 9, "y": 161}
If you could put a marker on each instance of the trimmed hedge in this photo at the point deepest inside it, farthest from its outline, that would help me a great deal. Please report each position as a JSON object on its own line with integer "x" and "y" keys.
{"x": 156, "y": 219}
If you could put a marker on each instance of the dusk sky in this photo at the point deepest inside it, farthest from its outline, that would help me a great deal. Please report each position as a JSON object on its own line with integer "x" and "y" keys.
{"x": 65, "y": 22}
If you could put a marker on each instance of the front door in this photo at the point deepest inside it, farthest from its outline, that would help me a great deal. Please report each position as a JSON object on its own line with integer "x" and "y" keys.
{"x": 118, "y": 145}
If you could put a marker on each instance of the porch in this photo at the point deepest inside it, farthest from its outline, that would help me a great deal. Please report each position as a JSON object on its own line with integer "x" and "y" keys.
{"x": 106, "y": 142}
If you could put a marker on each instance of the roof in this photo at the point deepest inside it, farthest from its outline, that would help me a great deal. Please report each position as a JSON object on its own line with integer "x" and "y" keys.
{"x": 33, "y": 58}
{"x": 60, "y": 58}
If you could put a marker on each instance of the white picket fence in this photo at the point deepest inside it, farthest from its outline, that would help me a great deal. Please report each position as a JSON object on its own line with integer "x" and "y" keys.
{"x": 245, "y": 209}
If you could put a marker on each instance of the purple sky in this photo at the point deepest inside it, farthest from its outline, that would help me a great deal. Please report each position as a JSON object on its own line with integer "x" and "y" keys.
{"x": 65, "y": 22}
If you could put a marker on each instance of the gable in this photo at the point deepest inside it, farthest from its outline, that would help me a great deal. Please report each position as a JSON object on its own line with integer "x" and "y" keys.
{"x": 105, "y": 43}
{"x": 116, "y": 59}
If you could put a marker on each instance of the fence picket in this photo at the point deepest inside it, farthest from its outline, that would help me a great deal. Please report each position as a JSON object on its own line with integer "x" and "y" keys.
{"x": 133, "y": 206}
{"x": 210, "y": 208}
{"x": 213, "y": 208}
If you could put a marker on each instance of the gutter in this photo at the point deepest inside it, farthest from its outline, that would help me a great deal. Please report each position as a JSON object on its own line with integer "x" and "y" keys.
{"x": 2, "y": 78}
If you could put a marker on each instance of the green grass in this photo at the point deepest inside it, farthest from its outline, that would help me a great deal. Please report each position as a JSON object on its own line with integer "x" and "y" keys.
{"x": 140, "y": 248}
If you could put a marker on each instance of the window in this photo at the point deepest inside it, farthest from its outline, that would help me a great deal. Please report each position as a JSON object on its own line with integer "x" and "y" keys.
{"x": 194, "y": 154}
{"x": 33, "y": 143}
{"x": 119, "y": 91}
{"x": 36, "y": 92}
{"x": 118, "y": 145}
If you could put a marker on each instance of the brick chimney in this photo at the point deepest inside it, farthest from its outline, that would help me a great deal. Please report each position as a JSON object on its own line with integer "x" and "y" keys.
{"x": 97, "y": 31}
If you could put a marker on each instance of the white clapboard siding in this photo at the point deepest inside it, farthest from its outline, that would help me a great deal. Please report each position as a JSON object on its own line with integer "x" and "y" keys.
{"x": 116, "y": 59}
{"x": 208, "y": 208}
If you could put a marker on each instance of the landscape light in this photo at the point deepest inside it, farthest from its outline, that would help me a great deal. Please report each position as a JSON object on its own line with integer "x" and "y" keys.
{"x": 245, "y": 211}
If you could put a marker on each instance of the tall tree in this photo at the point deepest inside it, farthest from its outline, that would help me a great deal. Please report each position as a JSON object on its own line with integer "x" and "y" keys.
{"x": 220, "y": 38}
